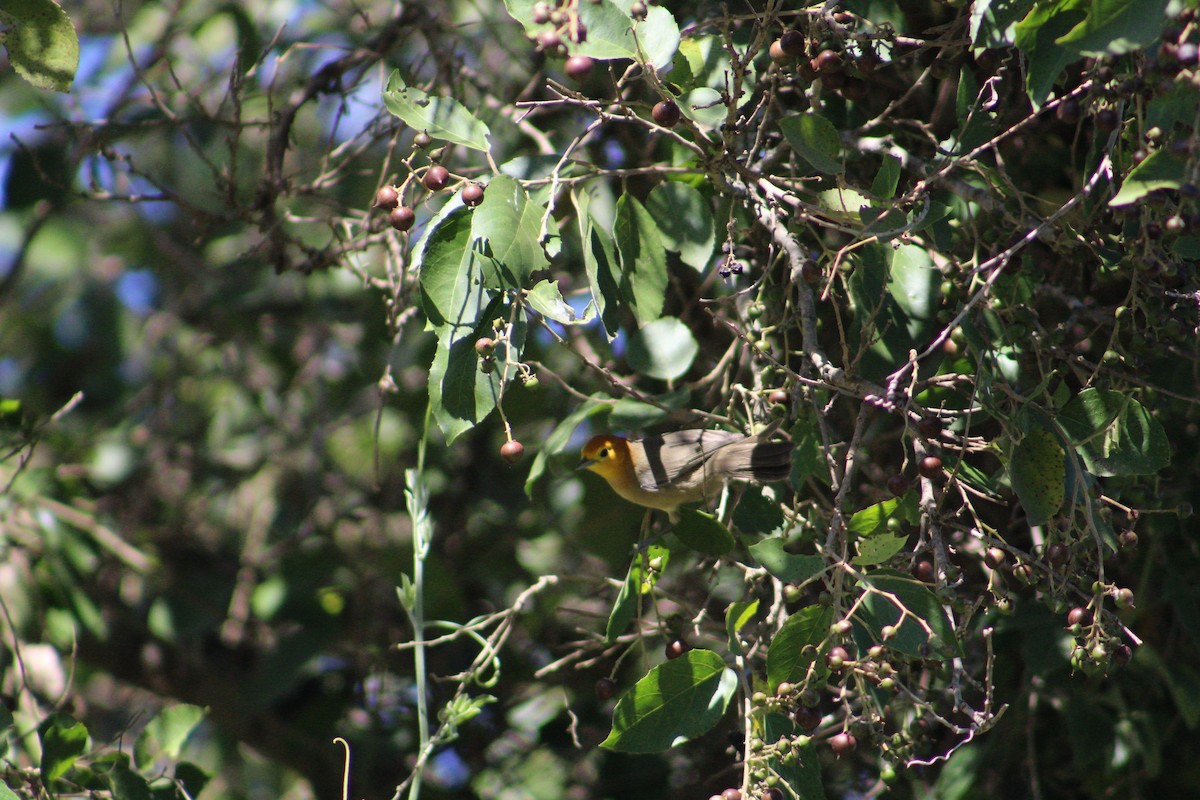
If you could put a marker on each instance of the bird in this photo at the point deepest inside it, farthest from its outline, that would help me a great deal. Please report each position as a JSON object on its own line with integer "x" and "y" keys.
{"x": 688, "y": 466}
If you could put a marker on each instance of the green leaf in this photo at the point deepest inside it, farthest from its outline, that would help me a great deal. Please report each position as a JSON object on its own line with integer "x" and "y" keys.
{"x": 643, "y": 259}
{"x": 192, "y": 777}
{"x": 7, "y": 793}
{"x": 676, "y": 702}
{"x": 807, "y": 456}
{"x": 662, "y": 349}
{"x": 685, "y": 222}
{"x": 558, "y": 439}
{"x": 787, "y": 567}
{"x": 736, "y": 617}
{"x": 872, "y": 520}
{"x": 703, "y": 532}
{"x": 164, "y": 735}
{"x": 451, "y": 273}
{"x": 887, "y": 178}
{"x": 1114, "y": 434}
{"x": 546, "y": 299}
{"x": 600, "y": 263}
{"x": 757, "y": 513}
{"x": 797, "y": 646}
{"x": 878, "y": 549}
{"x": 460, "y": 392}
{"x": 878, "y": 611}
{"x": 63, "y": 741}
{"x": 1036, "y": 35}
{"x": 611, "y": 31}
{"x": 126, "y": 784}
{"x": 441, "y": 117}
{"x": 993, "y": 22}
{"x": 1162, "y": 169}
{"x": 638, "y": 581}
{"x": 509, "y": 226}
{"x": 1116, "y": 27}
{"x": 1038, "y": 474}
{"x": 814, "y": 139}
{"x": 42, "y": 45}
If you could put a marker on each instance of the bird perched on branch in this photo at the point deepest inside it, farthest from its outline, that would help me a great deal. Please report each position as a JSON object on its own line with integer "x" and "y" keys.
{"x": 688, "y": 466}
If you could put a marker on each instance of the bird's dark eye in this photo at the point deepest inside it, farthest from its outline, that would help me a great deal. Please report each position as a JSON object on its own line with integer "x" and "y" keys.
{"x": 604, "y": 452}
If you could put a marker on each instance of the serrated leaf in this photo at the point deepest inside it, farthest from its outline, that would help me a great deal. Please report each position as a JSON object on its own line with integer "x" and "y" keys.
{"x": 676, "y": 701}
{"x": 1114, "y": 434}
{"x": 814, "y": 139}
{"x": 643, "y": 260}
{"x": 601, "y": 265}
{"x": 547, "y": 300}
{"x": 611, "y": 31}
{"x": 787, "y": 658}
{"x": 878, "y": 549}
{"x": 1116, "y": 27}
{"x": 42, "y": 45}
{"x": 1161, "y": 169}
{"x": 873, "y": 519}
{"x": 879, "y": 610}
{"x": 662, "y": 349}
{"x": 461, "y": 394}
{"x": 685, "y": 222}
{"x": 807, "y": 456}
{"x": 787, "y": 567}
{"x": 164, "y": 735}
{"x": 703, "y": 532}
{"x": 993, "y": 22}
{"x": 441, "y": 117}
{"x": 757, "y": 513}
{"x": 1037, "y": 472}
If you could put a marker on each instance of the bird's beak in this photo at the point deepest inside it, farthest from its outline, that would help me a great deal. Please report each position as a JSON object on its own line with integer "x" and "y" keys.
{"x": 585, "y": 463}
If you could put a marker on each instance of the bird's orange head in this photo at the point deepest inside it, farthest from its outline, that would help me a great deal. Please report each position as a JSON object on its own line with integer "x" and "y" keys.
{"x": 608, "y": 456}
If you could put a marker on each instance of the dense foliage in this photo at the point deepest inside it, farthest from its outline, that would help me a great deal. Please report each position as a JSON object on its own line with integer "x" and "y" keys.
{"x": 305, "y": 311}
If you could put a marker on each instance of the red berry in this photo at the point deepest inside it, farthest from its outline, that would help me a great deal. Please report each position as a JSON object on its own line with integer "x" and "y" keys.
{"x": 638, "y": 10}
{"x": 666, "y": 113}
{"x": 778, "y": 397}
{"x": 472, "y": 194}
{"x": 402, "y": 218}
{"x": 898, "y": 485}
{"x": 836, "y": 657}
{"x": 605, "y": 689}
{"x": 923, "y": 571}
{"x": 549, "y": 39}
{"x": 1079, "y": 616}
{"x": 843, "y": 744}
{"x": 827, "y": 62}
{"x": 1057, "y": 554}
{"x": 387, "y": 197}
{"x": 807, "y": 718}
{"x": 436, "y": 178}
{"x": 994, "y": 557}
{"x": 930, "y": 467}
{"x": 578, "y": 67}
{"x": 777, "y": 54}
{"x": 676, "y": 648}
{"x": 485, "y": 346}
{"x": 731, "y": 794}
{"x": 792, "y": 43}
{"x": 512, "y": 451}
